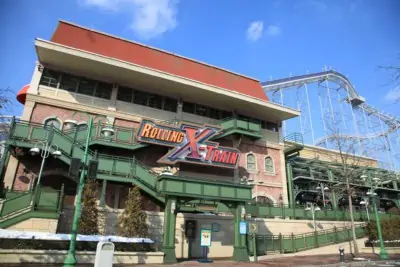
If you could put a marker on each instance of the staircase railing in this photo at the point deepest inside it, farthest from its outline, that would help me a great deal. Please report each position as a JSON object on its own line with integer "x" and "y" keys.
{"x": 293, "y": 243}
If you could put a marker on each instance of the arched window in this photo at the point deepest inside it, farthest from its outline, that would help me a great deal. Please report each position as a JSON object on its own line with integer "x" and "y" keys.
{"x": 269, "y": 165}
{"x": 52, "y": 122}
{"x": 251, "y": 162}
{"x": 263, "y": 200}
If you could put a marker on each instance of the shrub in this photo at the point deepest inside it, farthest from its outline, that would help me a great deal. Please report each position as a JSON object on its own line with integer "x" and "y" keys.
{"x": 88, "y": 224}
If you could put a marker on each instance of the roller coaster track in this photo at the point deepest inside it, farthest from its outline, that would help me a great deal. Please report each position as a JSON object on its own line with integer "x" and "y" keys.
{"x": 357, "y": 101}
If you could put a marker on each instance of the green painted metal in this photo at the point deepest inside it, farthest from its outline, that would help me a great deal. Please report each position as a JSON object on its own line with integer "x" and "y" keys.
{"x": 29, "y": 215}
{"x": 240, "y": 252}
{"x": 192, "y": 187}
{"x": 169, "y": 231}
{"x": 240, "y": 126}
{"x": 293, "y": 243}
{"x": 16, "y": 203}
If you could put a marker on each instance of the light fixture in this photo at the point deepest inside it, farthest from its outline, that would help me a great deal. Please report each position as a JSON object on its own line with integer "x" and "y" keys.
{"x": 56, "y": 154}
{"x": 34, "y": 151}
{"x": 317, "y": 209}
{"x": 376, "y": 179}
{"x": 326, "y": 188}
{"x": 308, "y": 208}
{"x": 363, "y": 202}
{"x": 364, "y": 176}
{"x": 318, "y": 188}
{"x": 107, "y": 131}
{"x": 70, "y": 124}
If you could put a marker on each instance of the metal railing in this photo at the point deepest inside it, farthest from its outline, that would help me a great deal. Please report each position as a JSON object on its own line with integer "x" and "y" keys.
{"x": 293, "y": 243}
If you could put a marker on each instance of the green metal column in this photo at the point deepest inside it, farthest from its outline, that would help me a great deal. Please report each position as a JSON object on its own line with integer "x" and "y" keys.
{"x": 169, "y": 231}
{"x": 239, "y": 245}
{"x": 382, "y": 253}
{"x": 289, "y": 175}
{"x": 103, "y": 194}
{"x": 333, "y": 194}
{"x": 395, "y": 186}
{"x": 4, "y": 160}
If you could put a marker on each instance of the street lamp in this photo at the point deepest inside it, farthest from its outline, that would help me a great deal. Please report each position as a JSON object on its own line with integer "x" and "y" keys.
{"x": 44, "y": 148}
{"x": 70, "y": 260}
{"x": 323, "y": 188}
{"x": 372, "y": 195}
{"x": 313, "y": 208}
{"x": 366, "y": 203}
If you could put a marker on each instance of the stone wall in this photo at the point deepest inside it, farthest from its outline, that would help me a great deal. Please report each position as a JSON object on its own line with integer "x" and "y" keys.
{"x": 36, "y": 225}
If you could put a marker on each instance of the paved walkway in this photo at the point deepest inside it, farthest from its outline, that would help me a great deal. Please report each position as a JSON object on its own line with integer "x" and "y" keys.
{"x": 298, "y": 261}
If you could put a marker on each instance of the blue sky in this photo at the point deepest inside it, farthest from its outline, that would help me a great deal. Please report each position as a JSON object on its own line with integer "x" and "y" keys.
{"x": 259, "y": 38}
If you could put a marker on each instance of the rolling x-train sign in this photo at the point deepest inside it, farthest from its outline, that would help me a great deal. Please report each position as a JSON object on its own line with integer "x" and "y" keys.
{"x": 190, "y": 144}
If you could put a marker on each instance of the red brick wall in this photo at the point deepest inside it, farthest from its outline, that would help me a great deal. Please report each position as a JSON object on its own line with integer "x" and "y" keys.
{"x": 127, "y": 124}
{"x": 260, "y": 152}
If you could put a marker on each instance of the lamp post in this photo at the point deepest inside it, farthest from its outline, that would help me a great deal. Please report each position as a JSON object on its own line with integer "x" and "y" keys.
{"x": 313, "y": 208}
{"x": 366, "y": 203}
{"x": 43, "y": 148}
{"x": 70, "y": 260}
{"x": 371, "y": 193}
{"x": 323, "y": 188}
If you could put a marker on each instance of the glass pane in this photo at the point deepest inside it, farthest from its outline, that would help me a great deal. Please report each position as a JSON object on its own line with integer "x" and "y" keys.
{"x": 86, "y": 87}
{"x": 225, "y": 114}
{"x": 103, "y": 90}
{"x": 155, "y": 101}
{"x": 201, "y": 110}
{"x": 53, "y": 122}
{"x": 69, "y": 83}
{"x": 50, "y": 78}
{"x": 188, "y": 107}
{"x": 214, "y": 113}
{"x": 269, "y": 165}
{"x": 125, "y": 94}
{"x": 140, "y": 98}
{"x": 170, "y": 104}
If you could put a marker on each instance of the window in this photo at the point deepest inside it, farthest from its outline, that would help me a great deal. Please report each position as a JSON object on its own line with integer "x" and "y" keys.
{"x": 86, "y": 87}
{"x": 103, "y": 90}
{"x": 251, "y": 162}
{"x": 82, "y": 127}
{"x": 269, "y": 165}
{"x": 269, "y": 126}
{"x": 52, "y": 122}
{"x": 263, "y": 200}
{"x": 170, "y": 104}
{"x": 140, "y": 98}
{"x": 69, "y": 83}
{"x": 188, "y": 107}
{"x": 155, "y": 101}
{"x": 50, "y": 78}
{"x": 125, "y": 94}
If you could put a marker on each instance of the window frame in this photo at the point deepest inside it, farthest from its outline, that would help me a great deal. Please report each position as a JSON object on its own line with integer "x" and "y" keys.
{"x": 272, "y": 165}
{"x": 247, "y": 162}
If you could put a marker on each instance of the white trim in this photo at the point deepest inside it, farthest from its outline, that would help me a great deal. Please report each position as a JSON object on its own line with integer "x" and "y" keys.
{"x": 43, "y": 44}
{"x": 255, "y": 162}
{"x": 54, "y": 118}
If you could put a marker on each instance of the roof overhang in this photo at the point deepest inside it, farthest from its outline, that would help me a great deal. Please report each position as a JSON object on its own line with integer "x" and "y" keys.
{"x": 97, "y": 66}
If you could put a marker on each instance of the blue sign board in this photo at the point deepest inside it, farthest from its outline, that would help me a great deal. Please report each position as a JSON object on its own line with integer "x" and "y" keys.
{"x": 243, "y": 228}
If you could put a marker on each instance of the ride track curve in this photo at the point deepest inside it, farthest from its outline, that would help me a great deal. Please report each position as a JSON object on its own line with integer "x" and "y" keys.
{"x": 357, "y": 102}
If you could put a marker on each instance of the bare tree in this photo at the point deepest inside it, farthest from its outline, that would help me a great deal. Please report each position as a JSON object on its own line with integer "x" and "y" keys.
{"x": 5, "y": 108}
{"x": 394, "y": 72}
{"x": 348, "y": 170}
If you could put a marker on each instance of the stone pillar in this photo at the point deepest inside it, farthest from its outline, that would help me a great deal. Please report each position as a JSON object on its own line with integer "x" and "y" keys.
{"x": 36, "y": 76}
{"x": 103, "y": 194}
{"x": 333, "y": 194}
{"x": 239, "y": 241}
{"x": 112, "y": 105}
{"x": 169, "y": 231}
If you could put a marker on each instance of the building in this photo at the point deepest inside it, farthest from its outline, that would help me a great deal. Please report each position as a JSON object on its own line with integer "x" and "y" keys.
{"x": 192, "y": 136}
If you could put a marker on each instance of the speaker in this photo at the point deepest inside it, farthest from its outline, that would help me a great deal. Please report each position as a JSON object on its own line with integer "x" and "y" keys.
{"x": 92, "y": 169}
{"x": 74, "y": 167}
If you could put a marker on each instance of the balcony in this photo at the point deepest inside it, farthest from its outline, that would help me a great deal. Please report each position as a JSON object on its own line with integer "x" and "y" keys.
{"x": 293, "y": 143}
{"x": 241, "y": 126}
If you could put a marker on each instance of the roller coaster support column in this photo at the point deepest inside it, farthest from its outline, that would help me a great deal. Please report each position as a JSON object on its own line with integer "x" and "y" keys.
{"x": 169, "y": 231}
{"x": 289, "y": 175}
{"x": 333, "y": 194}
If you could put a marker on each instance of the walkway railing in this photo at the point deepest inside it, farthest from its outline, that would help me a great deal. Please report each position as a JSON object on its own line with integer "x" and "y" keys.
{"x": 293, "y": 243}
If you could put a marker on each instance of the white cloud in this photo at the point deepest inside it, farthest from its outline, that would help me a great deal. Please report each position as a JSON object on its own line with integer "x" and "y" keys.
{"x": 255, "y": 30}
{"x": 150, "y": 18}
{"x": 393, "y": 95}
{"x": 273, "y": 30}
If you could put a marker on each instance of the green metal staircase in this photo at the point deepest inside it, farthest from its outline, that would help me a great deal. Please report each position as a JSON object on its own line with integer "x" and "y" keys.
{"x": 122, "y": 169}
{"x": 293, "y": 144}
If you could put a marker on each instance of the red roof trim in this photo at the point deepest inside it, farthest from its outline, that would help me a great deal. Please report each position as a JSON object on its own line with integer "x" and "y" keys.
{"x": 21, "y": 95}
{"x": 103, "y": 44}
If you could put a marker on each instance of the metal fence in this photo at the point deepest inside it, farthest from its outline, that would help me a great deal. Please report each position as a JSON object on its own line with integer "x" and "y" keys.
{"x": 293, "y": 243}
